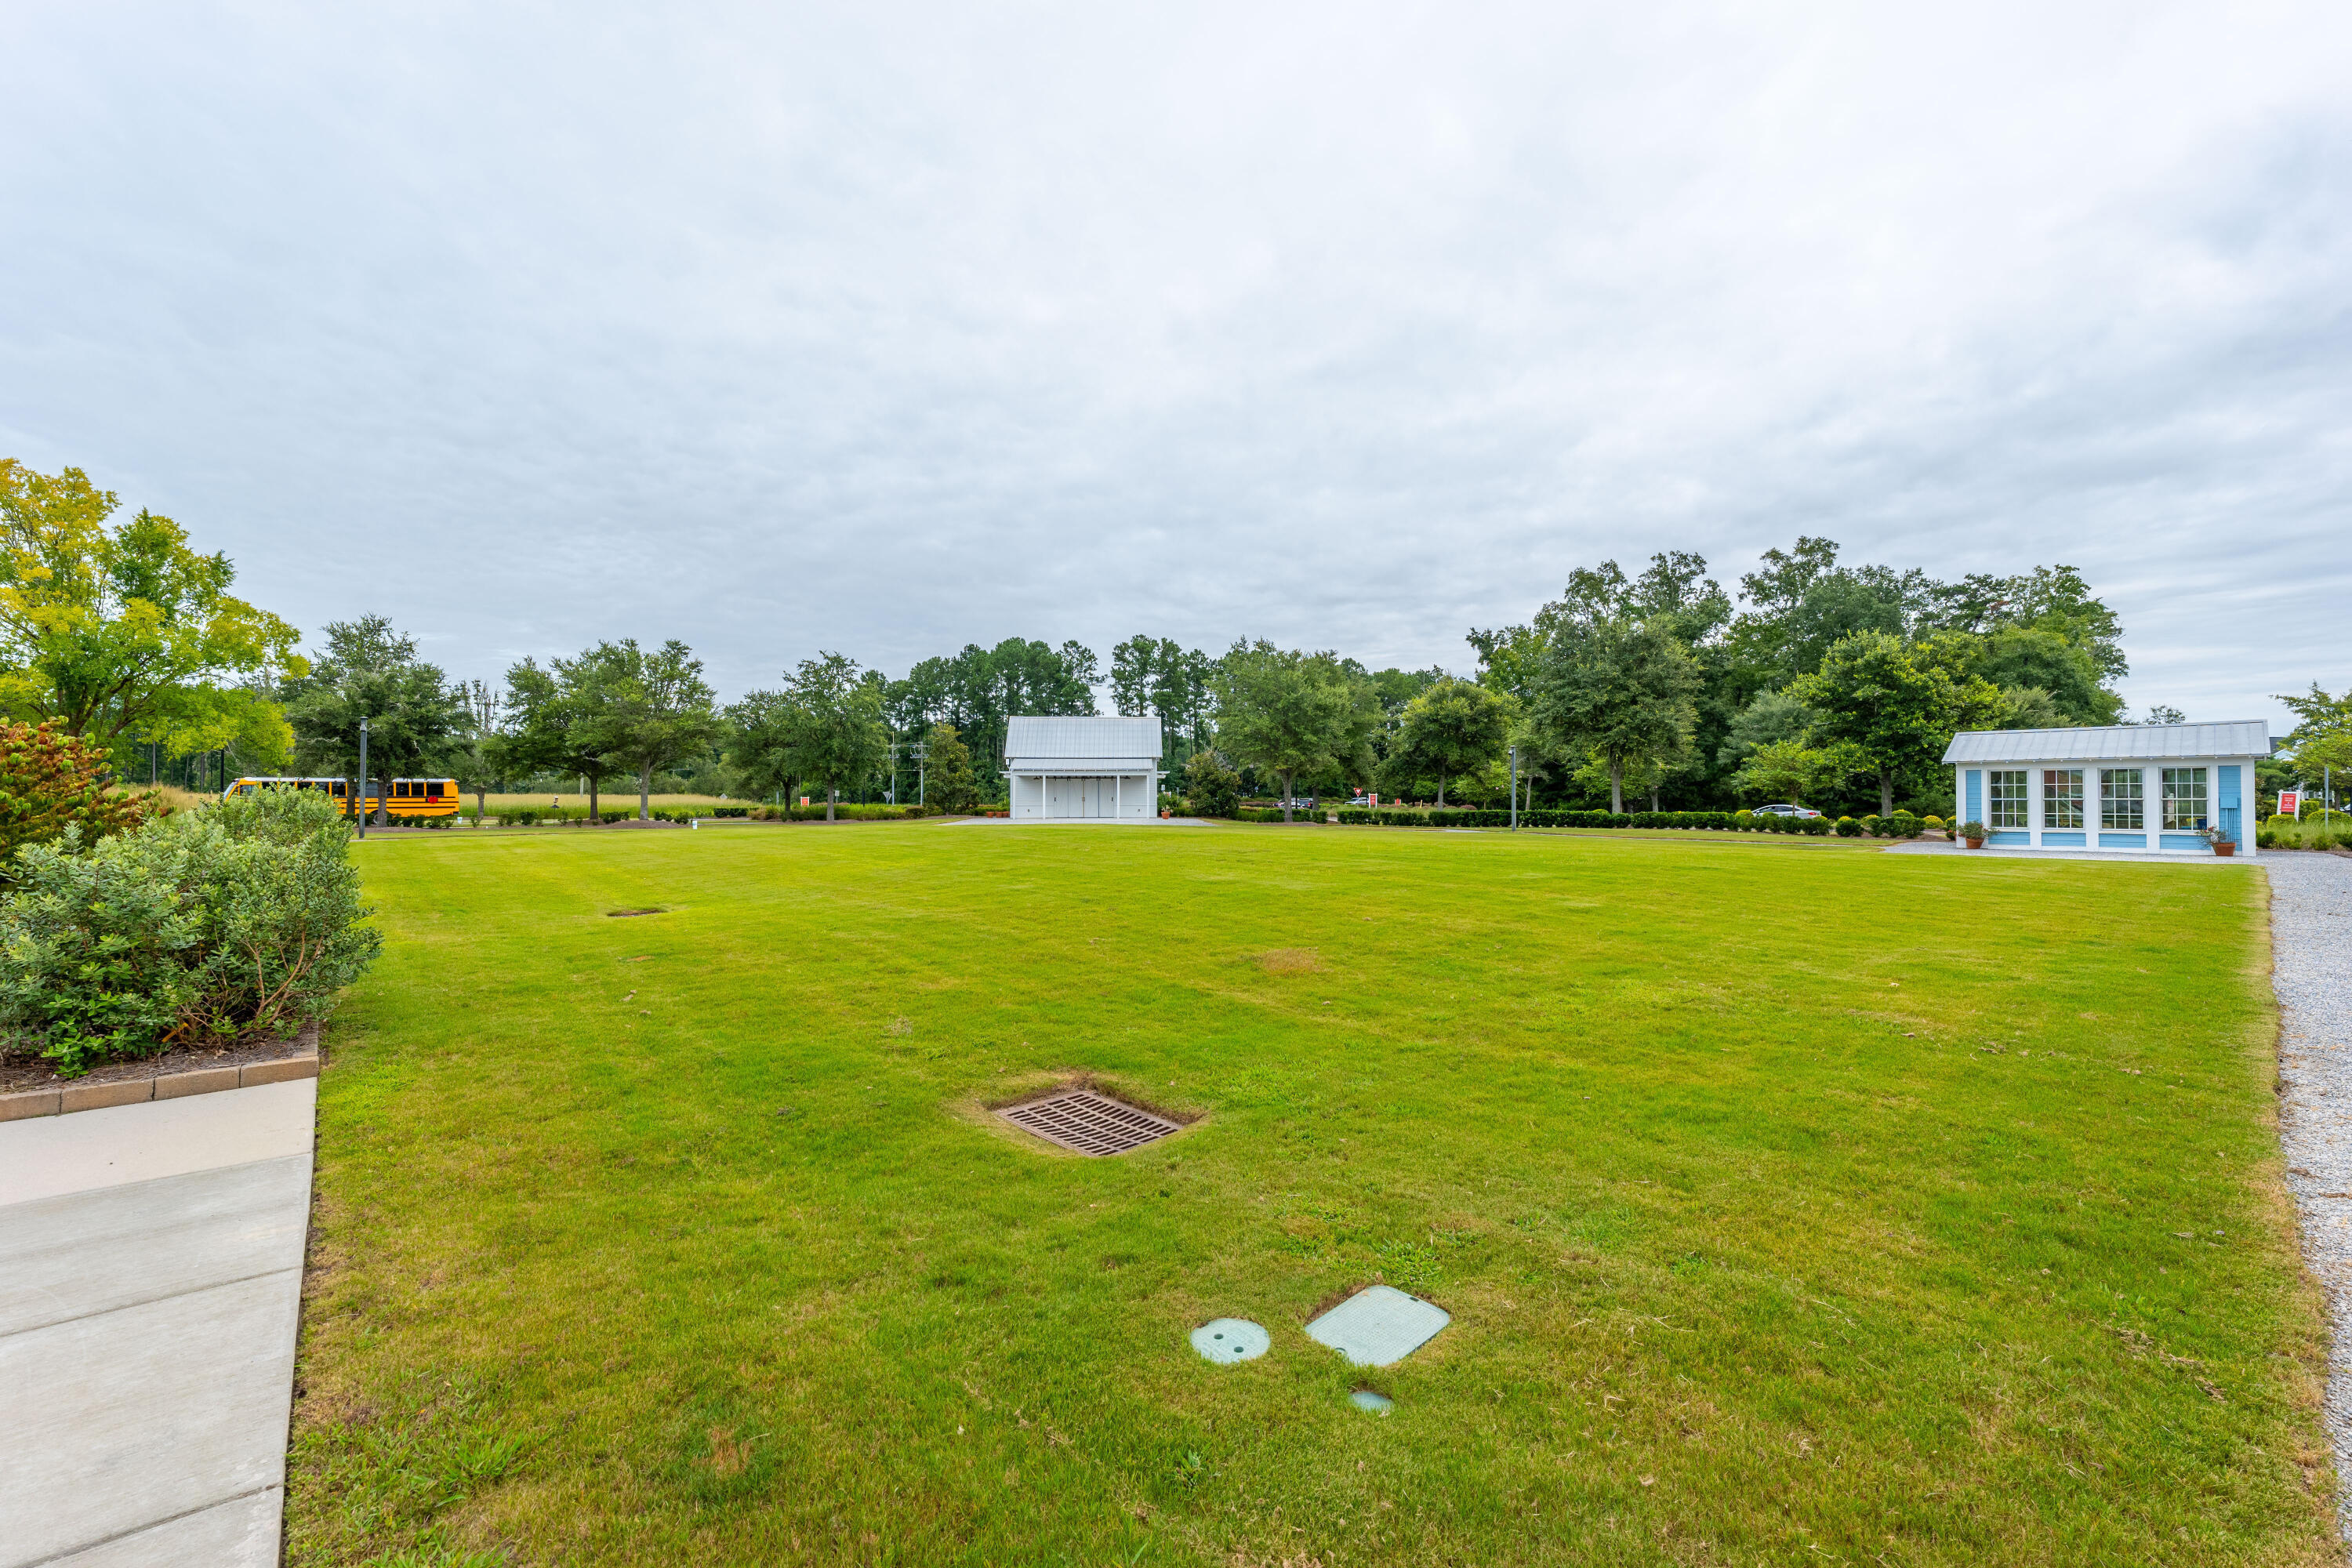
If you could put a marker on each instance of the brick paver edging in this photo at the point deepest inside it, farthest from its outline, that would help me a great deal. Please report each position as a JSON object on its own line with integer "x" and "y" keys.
{"x": 72, "y": 1097}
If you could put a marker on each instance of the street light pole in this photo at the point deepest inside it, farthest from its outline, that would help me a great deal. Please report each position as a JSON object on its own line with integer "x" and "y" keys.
{"x": 1515, "y": 789}
{"x": 364, "y": 779}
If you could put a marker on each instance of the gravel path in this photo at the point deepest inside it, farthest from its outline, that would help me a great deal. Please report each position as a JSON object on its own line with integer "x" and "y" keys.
{"x": 2311, "y": 946}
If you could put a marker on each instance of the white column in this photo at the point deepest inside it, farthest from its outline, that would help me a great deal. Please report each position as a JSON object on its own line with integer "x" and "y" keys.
{"x": 1117, "y": 795}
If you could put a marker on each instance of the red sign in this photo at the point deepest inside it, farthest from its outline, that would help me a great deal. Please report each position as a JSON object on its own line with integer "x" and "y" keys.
{"x": 2290, "y": 803}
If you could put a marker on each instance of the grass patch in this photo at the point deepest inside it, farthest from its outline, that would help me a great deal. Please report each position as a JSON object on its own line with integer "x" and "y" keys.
{"x": 1791, "y": 1206}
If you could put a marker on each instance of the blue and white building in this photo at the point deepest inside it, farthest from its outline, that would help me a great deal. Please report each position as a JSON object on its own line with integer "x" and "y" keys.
{"x": 2129, "y": 788}
{"x": 1062, "y": 769}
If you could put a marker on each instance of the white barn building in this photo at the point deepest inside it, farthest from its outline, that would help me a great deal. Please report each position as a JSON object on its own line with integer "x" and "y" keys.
{"x": 1069, "y": 769}
{"x": 2147, "y": 788}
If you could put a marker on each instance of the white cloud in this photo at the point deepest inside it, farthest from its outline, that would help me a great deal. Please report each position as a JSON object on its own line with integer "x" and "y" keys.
{"x": 890, "y": 329}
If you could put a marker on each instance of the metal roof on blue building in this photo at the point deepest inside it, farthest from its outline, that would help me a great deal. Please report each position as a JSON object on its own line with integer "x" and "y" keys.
{"x": 2112, "y": 742}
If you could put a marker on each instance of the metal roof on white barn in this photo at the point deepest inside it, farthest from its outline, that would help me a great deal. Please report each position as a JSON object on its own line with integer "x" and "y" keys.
{"x": 2117, "y": 743}
{"x": 1046, "y": 738}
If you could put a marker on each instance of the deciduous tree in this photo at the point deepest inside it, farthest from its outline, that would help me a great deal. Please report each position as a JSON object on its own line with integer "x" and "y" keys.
{"x": 825, "y": 727}
{"x": 1895, "y": 706}
{"x": 553, "y": 720}
{"x": 1620, "y": 691}
{"x": 1454, "y": 727}
{"x": 648, "y": 710}
{"x": 123, "y": 633}
{"x": 368, "y": 671}
{"x": 1288, "y": 712}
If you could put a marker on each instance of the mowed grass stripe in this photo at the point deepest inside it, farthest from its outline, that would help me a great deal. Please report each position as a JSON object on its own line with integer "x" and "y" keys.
{"x": 682, "y": 1237}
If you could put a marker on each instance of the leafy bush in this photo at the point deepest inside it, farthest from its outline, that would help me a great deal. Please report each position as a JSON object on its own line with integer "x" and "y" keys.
{"x": 1814, "y": 826}
{"x": 1847, "y": 827}
{"x": 1213, "y": 789}
{"x": 1874, "y": 825}
{"x": 1972, "y": 830}
{"x": 239, "y": 922}
{"x": 1903, "y": 824}
{"x": 50, "y": 780}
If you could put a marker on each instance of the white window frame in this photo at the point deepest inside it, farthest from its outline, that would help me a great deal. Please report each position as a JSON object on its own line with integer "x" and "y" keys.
{"x": 2051, "y": 798}
{"x": 2109, "y": 801}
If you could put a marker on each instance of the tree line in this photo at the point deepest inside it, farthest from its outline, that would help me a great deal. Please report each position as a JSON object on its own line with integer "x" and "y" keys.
{"x": 1814, "y": 680}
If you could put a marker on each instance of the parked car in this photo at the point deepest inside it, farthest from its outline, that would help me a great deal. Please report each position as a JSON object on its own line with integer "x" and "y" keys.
{"x": 1307, "y": 805}
{"x": 1786, "y": 810}
{"x": 1360, "y": 798}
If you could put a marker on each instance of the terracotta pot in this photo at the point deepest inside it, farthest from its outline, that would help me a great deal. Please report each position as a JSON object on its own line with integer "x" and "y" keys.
{"x": 1976, "y": 843}
{"x": 2225, "y": 850}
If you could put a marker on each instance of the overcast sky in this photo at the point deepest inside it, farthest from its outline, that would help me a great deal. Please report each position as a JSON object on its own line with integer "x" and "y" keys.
{"x": 886, "y": 328}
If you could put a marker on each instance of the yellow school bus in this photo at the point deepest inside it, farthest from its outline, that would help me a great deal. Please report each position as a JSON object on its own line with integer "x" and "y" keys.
{"x": 410, "y": 797}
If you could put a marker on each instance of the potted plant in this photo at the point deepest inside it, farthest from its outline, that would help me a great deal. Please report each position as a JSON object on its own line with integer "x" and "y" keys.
{"x": 2223, "y": 845}
{"x": 1974, "y": 832}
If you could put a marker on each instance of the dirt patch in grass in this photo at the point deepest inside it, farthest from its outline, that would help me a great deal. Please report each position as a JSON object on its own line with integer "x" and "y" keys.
{"x": 1289, "y": 961}
{"x": 1037, "y": 1086}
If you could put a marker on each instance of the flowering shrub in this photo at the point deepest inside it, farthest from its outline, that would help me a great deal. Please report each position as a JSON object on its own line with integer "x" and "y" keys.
{"x": 50, "y": 780}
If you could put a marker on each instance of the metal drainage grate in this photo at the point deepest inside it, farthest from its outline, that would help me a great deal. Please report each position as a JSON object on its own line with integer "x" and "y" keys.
{"x": 1090, "y": 1123}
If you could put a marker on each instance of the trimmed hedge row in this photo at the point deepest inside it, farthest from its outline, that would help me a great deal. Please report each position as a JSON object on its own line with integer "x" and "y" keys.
{"x": 1902, "y": 824}
{"x": 532, "y": 815}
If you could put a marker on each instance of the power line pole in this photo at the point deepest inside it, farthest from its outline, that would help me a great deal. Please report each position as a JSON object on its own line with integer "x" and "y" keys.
{"x": 1515, "y": 789}
{"x": 364, "y": 779}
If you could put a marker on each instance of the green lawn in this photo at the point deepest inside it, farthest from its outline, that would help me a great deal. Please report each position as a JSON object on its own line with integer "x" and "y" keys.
{"x": 1794, "y": 1201}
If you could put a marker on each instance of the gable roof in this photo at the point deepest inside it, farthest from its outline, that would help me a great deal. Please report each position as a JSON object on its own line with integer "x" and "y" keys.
{"x": 1045, "y": 736}
{"x": 2119, "y": 742}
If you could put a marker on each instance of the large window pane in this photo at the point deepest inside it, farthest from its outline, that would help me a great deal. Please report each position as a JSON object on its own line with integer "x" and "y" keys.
{"x": 2008, "y": 802}
{"x": 2119, "y": 798}
{"x": 2184, "y": 797}
{"x": 2061, "y": 797}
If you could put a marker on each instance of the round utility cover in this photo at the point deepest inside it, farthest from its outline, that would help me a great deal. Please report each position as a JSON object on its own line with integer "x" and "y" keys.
{"x": 1365, "y": 1399}
{"x": 1230, "y": 1340}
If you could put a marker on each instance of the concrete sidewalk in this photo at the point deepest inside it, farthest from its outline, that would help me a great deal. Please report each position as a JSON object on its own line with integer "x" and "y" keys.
{"x": 151, "y": 1284}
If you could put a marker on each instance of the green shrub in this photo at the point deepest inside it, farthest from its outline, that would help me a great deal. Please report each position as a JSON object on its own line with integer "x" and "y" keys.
{"x": 1873, "y": 826}
{"x": 1847, "y": 827}
{"x": 239, "y": 922}
{"x": 1213, "y": 789}
{"x": 1814, "y": 826}
{"x": 1972, "y": 830}
{"x": 1903, "y": 824}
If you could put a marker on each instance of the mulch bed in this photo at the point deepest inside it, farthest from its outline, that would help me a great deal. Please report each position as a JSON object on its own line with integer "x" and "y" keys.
{"x": 19, "y": 1073}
